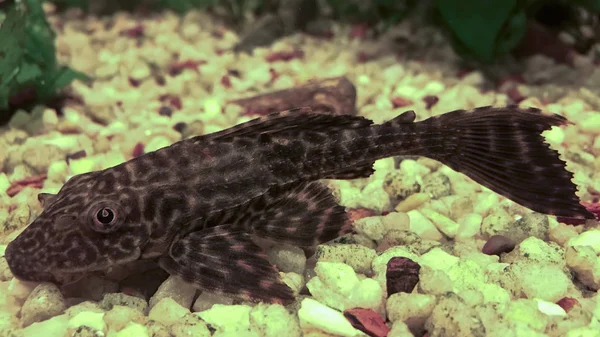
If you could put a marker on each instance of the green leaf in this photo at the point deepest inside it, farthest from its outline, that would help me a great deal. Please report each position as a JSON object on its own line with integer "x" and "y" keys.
{"x": 48, "y": 84}
{"x": 484, "y": 28}
{"x": 28, "y": 72}
{"x": 12, "y": 33}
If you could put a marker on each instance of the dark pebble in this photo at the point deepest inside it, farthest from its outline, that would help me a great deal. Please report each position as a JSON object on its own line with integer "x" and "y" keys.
{"x": 497, "y": 245}
{"x": 165, "y": 111}
{"x": 402, "y": 275}
{"x": 180, "y": 127}
{"x": 430, "y": 101}
{"x": 76, "y": 155}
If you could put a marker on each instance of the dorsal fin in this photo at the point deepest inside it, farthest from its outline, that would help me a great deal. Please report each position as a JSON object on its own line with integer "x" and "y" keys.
{"x": 407, "y": 117}
{"x": 294, "y": 119}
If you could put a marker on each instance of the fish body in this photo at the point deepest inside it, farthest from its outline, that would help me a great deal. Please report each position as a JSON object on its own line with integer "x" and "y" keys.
{"x": 198, "y": 205}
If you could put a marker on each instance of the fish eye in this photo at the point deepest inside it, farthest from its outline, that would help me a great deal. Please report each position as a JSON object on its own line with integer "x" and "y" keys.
{"x": 106, "y": 217}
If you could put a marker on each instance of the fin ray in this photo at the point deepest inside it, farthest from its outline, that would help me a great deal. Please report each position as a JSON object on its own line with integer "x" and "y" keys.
{"x": 504, "y": 150}
{"x": 225, "y": 260}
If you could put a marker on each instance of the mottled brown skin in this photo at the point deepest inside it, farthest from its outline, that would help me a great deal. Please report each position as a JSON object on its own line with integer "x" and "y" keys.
{"x": 197, "y": 205}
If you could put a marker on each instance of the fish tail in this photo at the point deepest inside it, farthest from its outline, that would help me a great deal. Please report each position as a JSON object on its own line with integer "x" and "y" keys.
{"x": 504, "y": 150}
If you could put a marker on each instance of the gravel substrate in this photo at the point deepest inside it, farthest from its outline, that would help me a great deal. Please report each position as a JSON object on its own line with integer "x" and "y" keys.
{"x": 434, "y": 252}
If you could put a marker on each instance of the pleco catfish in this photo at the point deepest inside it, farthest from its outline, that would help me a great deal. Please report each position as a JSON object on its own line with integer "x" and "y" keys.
{"x": 198, "y": 205}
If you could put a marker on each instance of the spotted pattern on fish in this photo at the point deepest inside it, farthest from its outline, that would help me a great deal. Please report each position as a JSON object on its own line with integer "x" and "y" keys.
{"x": 198, "y": 205}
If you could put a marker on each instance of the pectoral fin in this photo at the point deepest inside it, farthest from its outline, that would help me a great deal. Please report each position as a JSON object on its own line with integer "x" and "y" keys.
{"x": 225, "y": 260}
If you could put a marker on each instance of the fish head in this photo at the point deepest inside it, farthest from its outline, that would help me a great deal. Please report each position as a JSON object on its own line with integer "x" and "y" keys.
{"x": 91, "y": 224}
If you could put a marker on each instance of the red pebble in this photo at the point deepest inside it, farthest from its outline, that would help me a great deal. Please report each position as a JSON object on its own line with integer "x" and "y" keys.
{"x": 226, "y": 81}
{"x": 136, "y": 31}
{"x": 567, "y": 303}
{"x": 398, "y": 102}
{"x": 176, "y": 102}
{"x": 138, "y": 150}
{"x": 284, "y": 56}
{"x": 430, "y": 101}
{"x": 179, "y": 66}
{"x": 274, "y": 75}
{"x": 33, "y": 181}
{"x": 133, "y": 82}
{"x": 367, "y": 321}
{"x": 514, "y": 94}
{"x": 359, "y": 31}
{"x": 402, "y": 275}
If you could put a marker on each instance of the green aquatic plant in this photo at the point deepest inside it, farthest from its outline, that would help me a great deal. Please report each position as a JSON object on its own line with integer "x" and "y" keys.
{"x": 29, "y": 71}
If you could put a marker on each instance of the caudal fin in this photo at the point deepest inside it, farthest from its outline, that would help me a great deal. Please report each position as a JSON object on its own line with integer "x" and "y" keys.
{"x": 503, "y": 149}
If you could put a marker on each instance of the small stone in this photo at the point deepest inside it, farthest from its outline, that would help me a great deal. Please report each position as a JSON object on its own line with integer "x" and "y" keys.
{"x": 400, "y": 185}
{"x": 190, "y": 326}
{"x": 567, "y": 303}
{"x": 18, "y": 218}
{"x": 288, "y": 258}
{"x": 39, "y": 157}
{"x": 156, "y": 143}
{"x": 273, "y": 320}
{"x": 112, "y": 299}
{"x": 177, "y": 289}
{"x": 470, "y": 225}
{"x": 207, "y": 299}
{"x": 583, "y": 260}
{"x": 412, "y": 309}
{"x": 402, "y": 275}
{"x": 356, "y": 256}
{"x": 165, "y": 111}
{"x": 546, "y": 282}
{"x": 119, "y": 316}
{"x": 53, "y": 327}
{"x": 133, "y": 329}
{"x": 412, "y": 202}
{"x": 44, "y": 302}
{"x": 94, "y": 320}
{"x": 167, "y": 311}
{"x": 497, "y": 245}
{"x": 588, "y": 238}
{"x": 423, "y": 227}
{"x": 317, "y": 315}
{"x": 231, "y": 320}
{"x": 437, "y": 185}
{"x": 452, "y": 317}
{"x": 5, "y": 272}
{"x": 444, "y": 224}
{"x": 368, "y": 321}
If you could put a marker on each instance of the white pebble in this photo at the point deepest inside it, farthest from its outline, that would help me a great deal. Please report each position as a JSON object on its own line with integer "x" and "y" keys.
{"x": 82, "y": 165}
{"x": 156, "y": 143}
{"x": 90, "y": 319}
{"x": 442, "y": 222}
{"x": 591, "y": 124}
{"x": 315, "y": 314}
{"x": 167, "y": 311}
{"x": 228, "y": 318}
{"x": 177, "y": 289}
{"x": 423, "y": 227}
{"x": 551, "y": 309}
{"x": 133, "y": 330}
{"x": 470, "y": 225}
{"x": 588, "y": 238}
{"x": 54, "y": 327}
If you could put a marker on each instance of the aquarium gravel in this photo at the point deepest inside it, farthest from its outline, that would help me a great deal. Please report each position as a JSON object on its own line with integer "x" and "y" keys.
{"x": 434, "y": 253}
